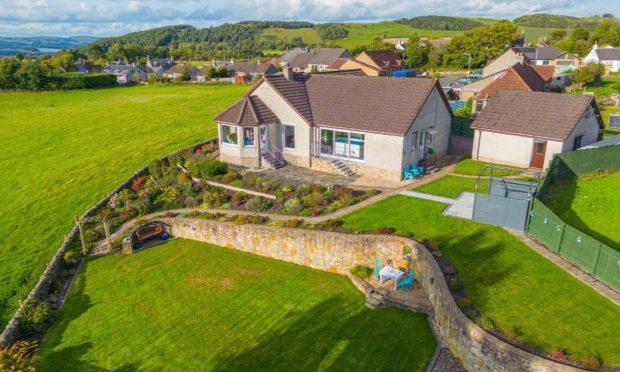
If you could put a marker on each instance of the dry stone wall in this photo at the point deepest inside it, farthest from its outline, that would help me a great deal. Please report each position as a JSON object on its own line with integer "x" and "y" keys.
{"x": 476, "y": 349}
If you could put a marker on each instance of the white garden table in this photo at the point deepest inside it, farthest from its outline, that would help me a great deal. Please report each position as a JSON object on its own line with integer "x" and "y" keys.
{"x": 389, "y": 272}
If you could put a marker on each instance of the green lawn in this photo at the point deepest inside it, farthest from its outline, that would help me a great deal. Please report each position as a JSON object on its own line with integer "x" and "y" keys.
{"x": 192, "y": 306}
{"x": 511, "y": 284}
{"x": 453, "y": 186}
{"x": 591, "y": 205}
{"x": 475, "y": 168}
{"x": 63, "y": 151}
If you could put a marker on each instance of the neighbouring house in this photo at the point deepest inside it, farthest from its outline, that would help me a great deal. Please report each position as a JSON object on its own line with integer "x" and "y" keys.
{"x": 545, "y": 56}
{"x": 176, "y": 72}
{"x": 525, "y": 129}
{"x": 162, "y": 64}
{"x": 610, "y": 57}
{"x": 373, "y": 63}
{"x": 337, "y": 123}
{"x": 228, "y": 64}
{"x": 312, "y": 60}
{"x": 248, "y": 70}
{"x": 518, "y": 77}
{"x": 86, "y": 67}
{"x": 124, "y": 72}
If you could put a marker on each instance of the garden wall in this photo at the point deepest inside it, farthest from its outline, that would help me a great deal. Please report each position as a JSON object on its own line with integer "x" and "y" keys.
{"x": 11, "y": 332}
{"x": 476, "y": 349}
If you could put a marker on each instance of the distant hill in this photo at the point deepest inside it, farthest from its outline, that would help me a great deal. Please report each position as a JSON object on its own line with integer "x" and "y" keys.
{"x": 10, "y": 46}
{"x": 557, "y": 21}
{"x": 435, "y": 22}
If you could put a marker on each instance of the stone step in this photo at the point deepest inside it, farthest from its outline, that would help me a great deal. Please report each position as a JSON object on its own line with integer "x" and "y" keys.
{"x": 382, "y": 291}
{"x": 376, "y": 296}
{"x": 371, "y": 307}
{"x": 373, "y": 301}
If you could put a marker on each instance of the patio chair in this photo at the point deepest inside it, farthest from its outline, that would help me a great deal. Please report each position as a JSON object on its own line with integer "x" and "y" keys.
{"x": 378, "y": 267}
{"x": 403, "y": 265}
{"x": 407, "y": 283}
{"x": 390, "y": 263}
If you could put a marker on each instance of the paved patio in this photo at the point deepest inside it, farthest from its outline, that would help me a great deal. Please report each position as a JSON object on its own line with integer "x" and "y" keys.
{"x": 300, "y": 175}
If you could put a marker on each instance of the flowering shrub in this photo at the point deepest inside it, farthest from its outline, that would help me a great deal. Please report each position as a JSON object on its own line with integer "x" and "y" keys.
{"x": 560, "y": 356}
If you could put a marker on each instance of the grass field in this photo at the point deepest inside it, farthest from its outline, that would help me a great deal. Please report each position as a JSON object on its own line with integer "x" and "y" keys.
{"x": 192, "y": 306}
{"x": 508, "y": 282}
{"x": 63, "y": 151}
{"x": 591, "y": 205}
{"x": 363, "y": 33}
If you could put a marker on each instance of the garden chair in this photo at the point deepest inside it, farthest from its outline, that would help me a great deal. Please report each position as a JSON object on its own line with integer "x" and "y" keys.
{"x": 407, "y": 283}
{"x": 378, "y": 267}
{"x": 403, "y": 265}
{"x": 390, "y": 263}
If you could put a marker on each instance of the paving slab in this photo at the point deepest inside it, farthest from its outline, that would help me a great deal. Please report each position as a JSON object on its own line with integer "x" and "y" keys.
{"x": 421, "y": 195}
{"x": 463, "y": 207}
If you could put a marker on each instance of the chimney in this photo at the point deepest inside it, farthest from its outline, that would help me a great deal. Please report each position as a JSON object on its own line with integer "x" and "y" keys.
{"x": 287, "y": 72}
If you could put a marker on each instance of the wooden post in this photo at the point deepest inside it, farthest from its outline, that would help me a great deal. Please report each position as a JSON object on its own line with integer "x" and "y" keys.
{"x": 82, "y": 237}
{"x": 108, "y": 240}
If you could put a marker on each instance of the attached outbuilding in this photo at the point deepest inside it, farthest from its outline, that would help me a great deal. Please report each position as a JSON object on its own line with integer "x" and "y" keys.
{"x": 525, "y": 129}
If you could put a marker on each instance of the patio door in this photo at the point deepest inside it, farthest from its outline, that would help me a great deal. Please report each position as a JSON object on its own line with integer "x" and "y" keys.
{"x": 538, "y": 154}
{"x": 264, "y": 137}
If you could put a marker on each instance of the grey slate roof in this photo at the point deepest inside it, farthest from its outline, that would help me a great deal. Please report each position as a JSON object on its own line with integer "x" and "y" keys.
{"x": 534, "y": 114}
{"x": 540, "y": 53}
{"x": 608, "y": 54}
{"x": 321, "y": 56}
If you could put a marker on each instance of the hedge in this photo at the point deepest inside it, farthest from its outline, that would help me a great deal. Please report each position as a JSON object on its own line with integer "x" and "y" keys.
{"x": 81, "y": 81}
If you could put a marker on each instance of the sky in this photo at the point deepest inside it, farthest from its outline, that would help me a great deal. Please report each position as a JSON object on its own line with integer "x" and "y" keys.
{"x": 117, "y": 17}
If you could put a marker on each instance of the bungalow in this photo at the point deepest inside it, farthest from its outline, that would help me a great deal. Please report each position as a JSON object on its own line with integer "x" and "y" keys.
{"x": 177, "y": 71}
{"x": 336, "y": 123}
{"x": 373, "y": 63}
{"x": 545, "y": 56}
{"x": 311, "y": 60}
{"x": 610, "y": 57}
{"x": 525, "y": 129}
{"x": 249, "y": 70}
{"x": 124, "y": 72}
{"x": 519, "y": 77}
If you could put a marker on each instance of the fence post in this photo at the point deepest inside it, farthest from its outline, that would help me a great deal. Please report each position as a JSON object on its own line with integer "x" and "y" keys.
{"x": 598, "y": 257}
{"x": 561, "y": 237}
{"x": 82, "y": 237}
{"x": 106, "y": 229}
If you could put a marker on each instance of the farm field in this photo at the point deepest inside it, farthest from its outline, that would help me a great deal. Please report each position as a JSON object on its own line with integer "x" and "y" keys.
{"x": 363, "y": 33}
{"x": 590, "y": 205}
{"x": 63, "y": 151}
{"x": 522, "y": 293}
{"x": 192, "y": 306}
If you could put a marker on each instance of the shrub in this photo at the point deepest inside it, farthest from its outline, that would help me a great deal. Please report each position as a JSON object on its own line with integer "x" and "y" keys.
{"x": 463, "y": 303}
{"x": 242, "y": 220}
{"x": 70, "y": 258}
{"x": 362, "y": 271}
{"x": 138, "y": 183}
{"x": 292, "y": 205}
{"x": 209, "y": 168}
{"x": 342, "y": 193}
{"x": 560, "y": 356}
{"x": 372, "y": 192}
{"x": 270, "y": 185}
{"x": 210, "y": 147}
{"x": 485, "y": 323}
{"x": 36, "y": 317}
{"x": 214, "y": 197}
{"x": 455, "y": 284}
{"x": 314, "y": 199}
{"x": 406, "y": 250}
{"x": 329, "y": 225}
{"x": 230, "y": 176}
{"x": 168, "y": 199}
{"x": 306, "y": 212}
{"x": 183, "y": 178}
{"x": 385, "y": 230}
{"x": 15, "y": 357}
{"x": 74, "y": 80}
{"x": 276, "y": 223}
{"x": 236, "y": 183}
{"x": 239, "y": 198}
{"x": 292, "y": 223}
{"x": 258, "y": 204}
{"x": 287, "y": 188}
{"x": 591, "y": 362}
{"x": 258, "y": 220}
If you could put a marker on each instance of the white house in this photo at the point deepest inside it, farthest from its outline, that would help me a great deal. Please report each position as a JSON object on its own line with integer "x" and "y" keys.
{"x": 525, "y": 129}
{"x": 610, "y": 57}
{"x": 331, "y": 122}
{"x": 124, "y": 72}
{"x": 310, "y": 60}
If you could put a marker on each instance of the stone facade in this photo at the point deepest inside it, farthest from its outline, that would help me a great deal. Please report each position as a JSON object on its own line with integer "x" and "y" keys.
{"x": 475, "y": 349}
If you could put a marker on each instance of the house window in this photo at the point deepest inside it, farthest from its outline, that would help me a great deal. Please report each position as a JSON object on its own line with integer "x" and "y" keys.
{"x": 289, "y": 136}
{"x": 414, "y": 140}
{"x": 343, "y": 144}
{"x": 577, "y": 142}
{"x": 229, "y": 134}
{"x": 545, "y": 63}
{"x": 248, "y": 136}
{"x": 540, "y": 147}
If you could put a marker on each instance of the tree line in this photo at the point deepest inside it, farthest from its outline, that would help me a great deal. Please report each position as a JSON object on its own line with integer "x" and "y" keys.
{"x": 434, "y": 22}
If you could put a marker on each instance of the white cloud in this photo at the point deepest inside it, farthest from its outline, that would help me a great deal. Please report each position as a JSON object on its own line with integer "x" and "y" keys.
{"x": 113, "y": 17}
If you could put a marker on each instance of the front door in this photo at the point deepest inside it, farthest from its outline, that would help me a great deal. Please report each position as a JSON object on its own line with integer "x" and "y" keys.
{"x": 422, "y": 146}
{"x": 538, "y": 154}
{"x": 264, "y": 137}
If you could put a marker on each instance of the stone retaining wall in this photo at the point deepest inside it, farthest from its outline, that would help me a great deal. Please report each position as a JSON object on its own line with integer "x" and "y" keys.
{"x": 476, "y": 349}
{"x": 10, "y": 334}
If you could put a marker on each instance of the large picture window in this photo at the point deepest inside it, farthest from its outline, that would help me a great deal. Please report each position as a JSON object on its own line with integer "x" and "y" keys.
{"x": 343, "y": 144}
{"x": 229, "y": 134}
{"x": 248, "y": 136}
{"x": 289, "y": 136}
